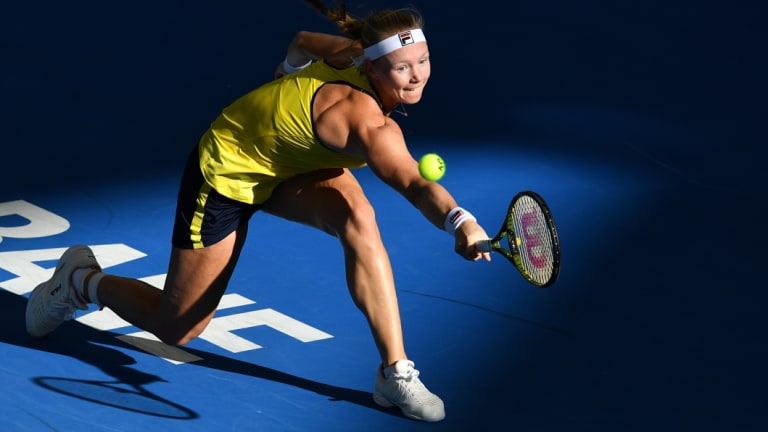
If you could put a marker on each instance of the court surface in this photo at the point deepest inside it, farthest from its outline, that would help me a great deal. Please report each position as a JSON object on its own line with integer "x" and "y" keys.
{"x": 657, "y": 320}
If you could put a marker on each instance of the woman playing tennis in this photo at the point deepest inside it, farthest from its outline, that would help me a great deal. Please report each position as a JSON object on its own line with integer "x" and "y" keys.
{"x": 287, "y": 148}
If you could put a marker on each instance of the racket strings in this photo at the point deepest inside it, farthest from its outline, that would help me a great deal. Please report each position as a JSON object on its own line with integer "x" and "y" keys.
{"x": 535, "y": 240}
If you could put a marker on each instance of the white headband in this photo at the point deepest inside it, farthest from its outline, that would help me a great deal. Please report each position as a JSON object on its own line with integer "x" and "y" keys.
{"x": 394, "y": 42}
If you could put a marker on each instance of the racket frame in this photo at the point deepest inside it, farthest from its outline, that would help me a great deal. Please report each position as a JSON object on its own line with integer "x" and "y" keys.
{"x": 513, "y": 240}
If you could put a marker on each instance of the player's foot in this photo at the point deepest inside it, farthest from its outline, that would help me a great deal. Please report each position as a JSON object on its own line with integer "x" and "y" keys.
{"x": 404, "y": 390}
{"x": 55, "y": 301}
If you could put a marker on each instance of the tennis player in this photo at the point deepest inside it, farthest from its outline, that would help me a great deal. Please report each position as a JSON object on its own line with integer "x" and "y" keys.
{"x": 287, "y": 148}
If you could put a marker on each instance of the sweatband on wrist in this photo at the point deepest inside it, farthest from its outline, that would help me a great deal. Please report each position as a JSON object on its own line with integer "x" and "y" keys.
{"x": 394, "y": 42}
{"x": 455, "y": 218}
{"x": 289, "y": 68}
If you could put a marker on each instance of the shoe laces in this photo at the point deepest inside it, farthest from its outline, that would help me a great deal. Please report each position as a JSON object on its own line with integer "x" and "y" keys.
{"x": 406, "y": 378}
{"x": 409, "y": 373}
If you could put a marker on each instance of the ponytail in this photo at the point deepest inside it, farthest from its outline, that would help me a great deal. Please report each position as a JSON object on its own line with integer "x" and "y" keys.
{"x": 349, "y": 25}
{"x": 375, "y": 27}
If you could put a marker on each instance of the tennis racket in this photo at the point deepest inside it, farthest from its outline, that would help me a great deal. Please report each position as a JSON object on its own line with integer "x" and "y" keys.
{"x": 532, "y": 242}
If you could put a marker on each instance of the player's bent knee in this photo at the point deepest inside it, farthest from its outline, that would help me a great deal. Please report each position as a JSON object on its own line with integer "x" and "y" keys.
{"x": 177, "y": 335}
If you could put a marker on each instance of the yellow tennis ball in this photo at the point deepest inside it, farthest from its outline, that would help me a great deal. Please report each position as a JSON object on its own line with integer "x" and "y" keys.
{"x": 431, "y": 167}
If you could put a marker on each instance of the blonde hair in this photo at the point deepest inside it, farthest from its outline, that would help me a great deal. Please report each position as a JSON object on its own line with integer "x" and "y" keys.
{"x": 375, "y": 27}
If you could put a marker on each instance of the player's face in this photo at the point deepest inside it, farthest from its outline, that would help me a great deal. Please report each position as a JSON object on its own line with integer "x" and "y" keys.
{"x": 402, "y": 74}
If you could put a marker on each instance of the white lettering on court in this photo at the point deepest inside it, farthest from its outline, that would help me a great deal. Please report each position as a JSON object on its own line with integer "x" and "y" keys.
{"x": 41, "y": 222}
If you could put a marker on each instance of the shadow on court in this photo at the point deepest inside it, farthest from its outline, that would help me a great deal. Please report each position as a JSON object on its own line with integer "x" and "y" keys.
{"x": 128, "y": 389}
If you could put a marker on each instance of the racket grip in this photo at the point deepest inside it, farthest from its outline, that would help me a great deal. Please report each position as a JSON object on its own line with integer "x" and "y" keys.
{"x": 484, "y": 246}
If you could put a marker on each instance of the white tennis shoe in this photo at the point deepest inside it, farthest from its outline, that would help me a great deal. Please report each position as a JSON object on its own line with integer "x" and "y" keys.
{"x": 405, "y": 390}
{"x": 55, "y": 301}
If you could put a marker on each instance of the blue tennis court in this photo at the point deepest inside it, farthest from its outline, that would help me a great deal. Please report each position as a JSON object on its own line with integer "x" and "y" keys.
{"x": 643, "y": 142}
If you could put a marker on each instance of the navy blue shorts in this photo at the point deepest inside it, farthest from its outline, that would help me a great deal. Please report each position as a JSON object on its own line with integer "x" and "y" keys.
{"x": 204, "y": 216}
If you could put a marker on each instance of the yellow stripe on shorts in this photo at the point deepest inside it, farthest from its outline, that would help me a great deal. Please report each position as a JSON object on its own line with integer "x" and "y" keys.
{"x": 197, "y": 220}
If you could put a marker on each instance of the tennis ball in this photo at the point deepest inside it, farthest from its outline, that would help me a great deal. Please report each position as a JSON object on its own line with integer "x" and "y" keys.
{"x": 431, "y": 167}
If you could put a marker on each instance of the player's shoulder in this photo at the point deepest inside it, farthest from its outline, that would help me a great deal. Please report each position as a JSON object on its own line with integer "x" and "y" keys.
{"x": 354, "y": 103}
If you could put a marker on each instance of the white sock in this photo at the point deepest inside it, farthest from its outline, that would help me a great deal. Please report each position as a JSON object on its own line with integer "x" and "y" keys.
{"x": 78, "y": 280}
{"x": 93, "y": 284}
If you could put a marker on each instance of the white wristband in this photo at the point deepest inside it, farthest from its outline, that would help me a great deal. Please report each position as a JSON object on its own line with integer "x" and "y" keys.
{"x": 289, "y": 68}
{"x": 455, "y": 218}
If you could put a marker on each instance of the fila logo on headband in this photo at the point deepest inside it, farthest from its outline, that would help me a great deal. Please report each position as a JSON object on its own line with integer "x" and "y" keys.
{"x": 405, "y": 38}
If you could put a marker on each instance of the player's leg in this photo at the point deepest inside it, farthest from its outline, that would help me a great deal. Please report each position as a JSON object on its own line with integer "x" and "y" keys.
{"x": 333, "y": 201}
{"x": 194, "y": 285}
{"x": 209, "y": 233}
{"x": 196, "y": 280}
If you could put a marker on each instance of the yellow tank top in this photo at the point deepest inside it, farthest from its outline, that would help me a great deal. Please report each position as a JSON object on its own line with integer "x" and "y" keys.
{"x": 267, "y": 136}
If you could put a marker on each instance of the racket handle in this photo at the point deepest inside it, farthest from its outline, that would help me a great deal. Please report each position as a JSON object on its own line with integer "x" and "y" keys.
{"x": 484, "y": 246}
